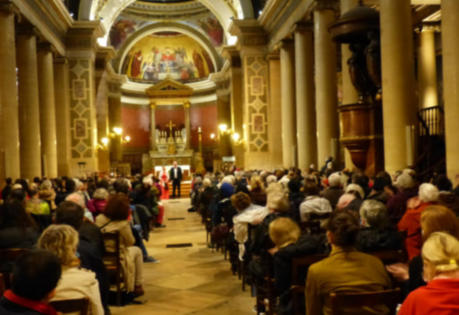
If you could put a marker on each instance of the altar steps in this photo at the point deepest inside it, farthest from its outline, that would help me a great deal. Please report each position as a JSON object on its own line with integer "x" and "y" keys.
{"x": 185, "y": 188}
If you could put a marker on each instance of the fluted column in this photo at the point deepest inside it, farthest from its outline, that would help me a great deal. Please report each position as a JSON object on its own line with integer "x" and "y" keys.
{"x": 9, "y": 113}
{"x": 350, "y": 95}
{"x": 275, "y": 117}
{"x": 29, "y": 113}
{"x": 450, "y": 40}
{"x": 399, "y": 110}
{"x": 427, "y": 68}
{"x": 305, "y": 106}
{"x": 47, "y": 111}
{"x": 186, "y": 107}
{"x": 287, "y": 60}
{"x": 326, "y": 85}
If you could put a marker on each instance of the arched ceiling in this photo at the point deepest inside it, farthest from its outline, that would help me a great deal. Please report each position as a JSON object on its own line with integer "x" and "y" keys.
{"x": 108, "y": 10}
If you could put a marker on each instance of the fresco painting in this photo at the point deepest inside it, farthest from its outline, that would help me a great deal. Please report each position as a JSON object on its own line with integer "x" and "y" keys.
{"x": 167, "y": 55}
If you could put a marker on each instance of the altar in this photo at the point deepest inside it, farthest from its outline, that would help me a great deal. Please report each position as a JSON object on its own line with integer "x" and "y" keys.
{"x": 169, "y": 142}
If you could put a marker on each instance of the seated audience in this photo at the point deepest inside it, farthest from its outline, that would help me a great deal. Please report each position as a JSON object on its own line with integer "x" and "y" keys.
{"x": 410, "y": 222}
{"x": 115, "y": 219}
{"x": 352, "y": 198}
{"x": 98, "y": 202}
{"x": 334, "y": 190}
{"x": 89, "y": 246}
{"x": 35, "y": 205}
{"x": 447, "y": 197}
{"x": 257, "y": 191}
{"x": 381, "y": 190}
{"x": 34, "y": 281}
{"x": 376, "y": 232}
{"x": 17, "y": 228}
{"x": 313, "y": 203}
{"x": 62, "y": 240}
{"x": 407, "y": 188}
{"x": 46, "y": 192}
{"x": 295, "y": 197}
{"x": 289, "y": 243}
{"x": 345, "y": 270}
{"x": 440, "y": 254}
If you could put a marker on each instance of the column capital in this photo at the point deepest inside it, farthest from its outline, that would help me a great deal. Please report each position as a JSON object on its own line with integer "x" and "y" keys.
{"x": 46, "y": 47}
{"x": 61, "y": 60}
{"x": 429, "y": 27}
{"x": 26, "y": 29}
{"x": 232, "y": 54}
{"x": 7, "y": 6}
{"x": 249, "y": 33}
{"x": 320, "y": 5}
{"x": 153, "y": 105}
{"x": 186, "y": 104}
{"x": 303, "y": 27}
{"x": 286, "y": 43}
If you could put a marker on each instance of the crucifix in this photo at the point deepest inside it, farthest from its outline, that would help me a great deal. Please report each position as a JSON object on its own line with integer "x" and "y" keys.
{"x": 170, "y": 125}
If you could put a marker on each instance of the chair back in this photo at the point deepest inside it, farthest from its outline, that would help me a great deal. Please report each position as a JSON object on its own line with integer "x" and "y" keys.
{"x": 7, "y": 258}
{"x": 2, "y": 284}
{"x": 340, "y": 302}
{"x": 299, "y": 269}
{"x": 112, "y": 257}
{"x": 79, "y": 306}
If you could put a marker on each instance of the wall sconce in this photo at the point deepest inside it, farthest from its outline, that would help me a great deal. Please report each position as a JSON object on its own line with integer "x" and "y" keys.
{"x": 236, "y": 137}
{"x": 126, "y": 139}
{"x": 212, "y": 136}
{"x": 223, "y": 128}
{"x": 118, "y": 131}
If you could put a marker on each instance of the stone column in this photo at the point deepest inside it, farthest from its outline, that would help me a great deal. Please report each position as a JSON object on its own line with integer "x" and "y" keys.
{"x": 29, "y": 113}
{"x": 427, "y": 68}
{"x": 350, "y": 95}
{"x": 399, "y": 110}
{"x": 9, "y": 112}
{"x": 62, "y": 96}
{"x": 450, "y": 40}
{"x": 186, "y": 108}
{"x": 275, "y": 111}
{"x": 326, "y": 85}
{"x": 305, "y": 106}
{"x": 47, "y": 110}
{"x": 153, "y": 126}
{"x": 287, "y": 61}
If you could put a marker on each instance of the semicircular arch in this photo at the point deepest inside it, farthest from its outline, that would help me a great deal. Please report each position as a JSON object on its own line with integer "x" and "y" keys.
{"x": 168, "y": 27}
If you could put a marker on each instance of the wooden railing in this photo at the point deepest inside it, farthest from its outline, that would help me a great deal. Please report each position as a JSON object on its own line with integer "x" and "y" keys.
{"x": 431, "y": 121}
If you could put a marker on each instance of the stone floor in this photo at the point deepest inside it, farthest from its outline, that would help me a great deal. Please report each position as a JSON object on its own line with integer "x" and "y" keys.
{"x": 188, "y": 280}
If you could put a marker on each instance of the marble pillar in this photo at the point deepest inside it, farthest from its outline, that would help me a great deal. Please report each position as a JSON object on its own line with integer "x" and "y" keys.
{"x": 305, "y": 97}
{"x": 326, "y": 86}
{"x": 62, "y": 97}
{"x": 29, "y": 108}
{"x": 153, "y": 126}
{"x": 9, "y": 111}
{"x": 398, "y": 83}
{"x": 275, "y": 112}
{"x": 47, "y": 110}
{"x": 450, "y": 40}
{"x": 350, "y": 95}
{"x": 427, "y": 68}
{"x": 287, "y": 61}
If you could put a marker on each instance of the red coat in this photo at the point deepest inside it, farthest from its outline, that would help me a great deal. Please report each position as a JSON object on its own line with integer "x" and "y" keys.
{"x": 411, "y": 223}
{"x": 438, "y": 297}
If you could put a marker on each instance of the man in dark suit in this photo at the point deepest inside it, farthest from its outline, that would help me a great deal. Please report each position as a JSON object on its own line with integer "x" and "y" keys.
{"x": 175, "y": 175}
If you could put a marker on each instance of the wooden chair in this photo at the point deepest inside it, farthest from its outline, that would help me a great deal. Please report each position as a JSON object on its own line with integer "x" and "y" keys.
{"x": 355, "y": 300}
{"x": 112, "y": 262}
{"x": 2, "y": 285}
{"x": 299, "y": 268}
{"x": 391, "y": 256}
{"x": 80, "y": 306}
{"x": 7, "y": 258}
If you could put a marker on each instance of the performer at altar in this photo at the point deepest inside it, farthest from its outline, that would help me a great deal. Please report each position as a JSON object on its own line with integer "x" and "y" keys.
{"x": 164, "y": 184}
{"x": 175, "y": 175}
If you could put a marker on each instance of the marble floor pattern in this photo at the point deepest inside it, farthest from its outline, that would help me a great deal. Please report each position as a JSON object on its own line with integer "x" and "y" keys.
{"x": 188, "y": 280}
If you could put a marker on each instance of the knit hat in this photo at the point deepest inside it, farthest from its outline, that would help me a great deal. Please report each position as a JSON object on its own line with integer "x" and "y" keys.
{"x": 226, "y": 190}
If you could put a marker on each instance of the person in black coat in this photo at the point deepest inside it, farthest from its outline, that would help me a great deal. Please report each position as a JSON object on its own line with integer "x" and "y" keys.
{"x": 285, "y": 234}
{"x": 175, "y": 175}
{"x": 376, "y": 232}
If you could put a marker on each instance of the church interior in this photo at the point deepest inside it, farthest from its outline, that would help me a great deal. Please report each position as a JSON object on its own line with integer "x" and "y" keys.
{"x": 305, "y": 107}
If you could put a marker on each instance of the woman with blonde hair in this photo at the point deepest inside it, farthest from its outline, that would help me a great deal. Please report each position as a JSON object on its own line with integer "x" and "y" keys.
{"x": 440, "y": 254}
{"x": 62, "y": 240}
{"x": 257, "y": 191}
{"x": 289, "y": 243}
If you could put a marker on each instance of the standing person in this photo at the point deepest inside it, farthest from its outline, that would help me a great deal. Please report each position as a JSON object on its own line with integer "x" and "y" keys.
{"x": 175, "y": 175}
{"x": 164, "y": 184}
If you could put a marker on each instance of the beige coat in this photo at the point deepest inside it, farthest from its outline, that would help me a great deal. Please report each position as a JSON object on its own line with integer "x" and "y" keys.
{"x": 78, "y": 283}
{"x": 126, "y": 240}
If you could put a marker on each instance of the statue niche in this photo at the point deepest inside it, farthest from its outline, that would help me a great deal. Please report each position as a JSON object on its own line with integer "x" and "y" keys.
{"x": 362, "y": 121}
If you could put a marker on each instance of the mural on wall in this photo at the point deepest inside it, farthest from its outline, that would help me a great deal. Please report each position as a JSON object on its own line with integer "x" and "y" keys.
{"x": 167, "y": 54}
{"x": 206, "y": 23}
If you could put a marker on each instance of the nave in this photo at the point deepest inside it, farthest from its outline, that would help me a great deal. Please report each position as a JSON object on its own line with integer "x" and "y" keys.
{"x": 187, "y": 280}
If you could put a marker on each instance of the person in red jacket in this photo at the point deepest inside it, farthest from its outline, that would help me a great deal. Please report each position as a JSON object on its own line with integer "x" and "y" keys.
{"x": 440, "y": 254}
{"x": 410, "y": 222}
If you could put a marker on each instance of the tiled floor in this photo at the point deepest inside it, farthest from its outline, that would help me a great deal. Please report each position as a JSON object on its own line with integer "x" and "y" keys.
{"x": 189, "y": 280}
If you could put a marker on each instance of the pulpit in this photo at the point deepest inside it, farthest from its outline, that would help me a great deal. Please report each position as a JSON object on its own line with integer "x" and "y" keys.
{"x": 171, "y": 141}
